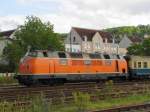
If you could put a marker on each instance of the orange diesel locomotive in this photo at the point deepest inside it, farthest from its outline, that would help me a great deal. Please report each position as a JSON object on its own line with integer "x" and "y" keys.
{"x": 47, "y": 67}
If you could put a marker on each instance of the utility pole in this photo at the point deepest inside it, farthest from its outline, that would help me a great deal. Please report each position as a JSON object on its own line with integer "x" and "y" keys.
{"x": 117, "y": 49}
{"x": 70, "y": 43}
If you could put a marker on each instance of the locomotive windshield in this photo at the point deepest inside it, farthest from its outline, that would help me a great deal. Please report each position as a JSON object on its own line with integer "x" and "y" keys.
{"x": 95, "y": 56}
{"x": 32, "y": 54}
{"x": 38, "y": 54}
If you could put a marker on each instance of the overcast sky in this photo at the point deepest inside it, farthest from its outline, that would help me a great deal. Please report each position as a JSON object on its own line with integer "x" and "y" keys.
{"x": 96, "y": 14}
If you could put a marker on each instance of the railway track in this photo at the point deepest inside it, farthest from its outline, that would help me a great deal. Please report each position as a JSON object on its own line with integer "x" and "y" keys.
{"x": 65, "y": 92}
{"x": 131, "y": 108}
{"x": 12, "y": 86}
{"x": 16, "y": 86}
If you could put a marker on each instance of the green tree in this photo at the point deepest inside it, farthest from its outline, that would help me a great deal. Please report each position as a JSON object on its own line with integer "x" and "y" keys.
{"x": 130, "y": 31}
{"x": 33, "y": 33}
{"x": 136, "y": 49}
{"x": 140, "y": 49}
{"x": 146, "y": 46}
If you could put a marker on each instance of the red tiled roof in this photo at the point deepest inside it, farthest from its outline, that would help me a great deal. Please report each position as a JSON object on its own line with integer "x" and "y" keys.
{"x": 135, "y": 39}
{"x": 90, "y": 33}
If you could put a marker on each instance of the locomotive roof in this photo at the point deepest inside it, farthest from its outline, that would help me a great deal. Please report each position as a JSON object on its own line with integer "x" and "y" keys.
{"x": 62, "y": 54}
{"x": 71, "y": 52}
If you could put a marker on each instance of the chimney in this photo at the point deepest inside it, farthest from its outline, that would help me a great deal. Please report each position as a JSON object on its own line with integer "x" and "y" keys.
{"x": 105, "y": 40}
{"x": 113, "y": 40}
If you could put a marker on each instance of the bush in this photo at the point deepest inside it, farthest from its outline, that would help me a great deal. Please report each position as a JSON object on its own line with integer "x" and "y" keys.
{"x": 39, "y": 104}
{"x": 81, "y": 101}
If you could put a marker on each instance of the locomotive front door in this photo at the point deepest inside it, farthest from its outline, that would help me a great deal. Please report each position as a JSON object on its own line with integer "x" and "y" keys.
{"x": 87, "y": 64}
{"x": 62, "y": 63}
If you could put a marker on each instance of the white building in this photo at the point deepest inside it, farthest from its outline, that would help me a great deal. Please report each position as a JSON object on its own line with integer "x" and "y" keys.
{"x": 73, "y": 48}
{"x": 90, "y": 41}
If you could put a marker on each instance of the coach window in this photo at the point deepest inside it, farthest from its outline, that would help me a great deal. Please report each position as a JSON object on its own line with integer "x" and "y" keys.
{"x": 118, "y": 57}
{"x": 135, "y": 65}
{"x": 32, "y": 54}
{"x": 106, "y": 56}
{"x": 62, "y": 55}
{"x": 145, "y": 64}
{"x": 40, "y": 54}
{"x": 139, "y": 65}
{"x": 74, "y": 39}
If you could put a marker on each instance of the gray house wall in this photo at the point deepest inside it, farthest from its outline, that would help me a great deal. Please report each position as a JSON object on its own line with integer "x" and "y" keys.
{"x": 96, "y": 44}
{"x": 73, "y": 34}
{"x": 125, "y": 42}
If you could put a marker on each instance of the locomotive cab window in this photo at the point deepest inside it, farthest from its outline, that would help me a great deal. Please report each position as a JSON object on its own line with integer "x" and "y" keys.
{"x": 45, "y": 54}
{"x": 32, "y": 54}
{"x": 76, "y": 55}
{"x": 118, "y": 57}
{"x": 40, "y": 54}
{"x": 145, "y": 65}
{"x": 62, "y": 55}
{"x": 95, "y": 56}
{"x": 106, "y": 56}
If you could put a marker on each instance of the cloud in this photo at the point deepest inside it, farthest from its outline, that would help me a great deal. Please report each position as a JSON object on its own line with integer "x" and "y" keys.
{"x": 10, "y": 22}
{"x": 97, "y": 14}
{"x": 33, "y": 1}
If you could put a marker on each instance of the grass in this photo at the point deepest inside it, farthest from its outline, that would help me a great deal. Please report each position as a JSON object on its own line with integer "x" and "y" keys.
{"x": 130, "y": 100}
{"x": 109, "y": 103}
{"x": 80, "y": 105}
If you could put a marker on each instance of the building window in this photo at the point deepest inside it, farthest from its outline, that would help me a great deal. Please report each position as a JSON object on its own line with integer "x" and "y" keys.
{"x": 103, "y": 40}
{"x": 97, "y": 45}
{"x": 74, "y": 39}
{"x": 74, "y": 50}
{"x": 139, "y": 65}
{"x": 89, "y": 46}
{"x": 85, "y": 38}
{"x": 145, "y": 64}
